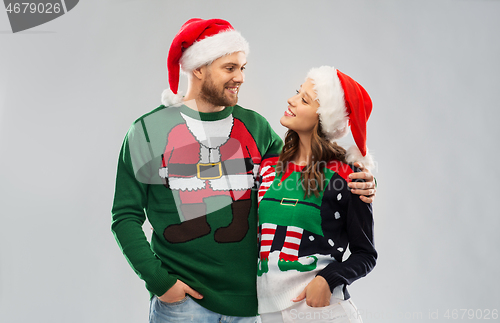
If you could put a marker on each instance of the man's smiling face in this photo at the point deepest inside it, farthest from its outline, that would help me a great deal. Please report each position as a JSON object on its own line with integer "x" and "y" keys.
{"x": 222, "y": 80}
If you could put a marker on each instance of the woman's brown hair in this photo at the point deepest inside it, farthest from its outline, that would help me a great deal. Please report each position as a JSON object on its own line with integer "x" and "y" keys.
{"x": 322, "y": 151}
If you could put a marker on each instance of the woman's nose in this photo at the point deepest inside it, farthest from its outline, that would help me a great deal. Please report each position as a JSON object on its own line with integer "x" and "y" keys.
{"x": 291, "y": 100}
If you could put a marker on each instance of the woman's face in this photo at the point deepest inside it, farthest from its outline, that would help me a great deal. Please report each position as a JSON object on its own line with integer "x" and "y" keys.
{"x": 301, "y": 115}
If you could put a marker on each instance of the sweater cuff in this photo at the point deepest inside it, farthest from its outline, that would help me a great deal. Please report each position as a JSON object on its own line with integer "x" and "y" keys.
{"x": 331, "y": 278}
{"x": 160, "y": 282}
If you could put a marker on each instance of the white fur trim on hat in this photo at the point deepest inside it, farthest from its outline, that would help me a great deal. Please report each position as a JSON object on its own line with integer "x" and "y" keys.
{"x": 209, "y": 49}
{"x": 168, "y": 98}
{"x": 354, "y": 155}
{"x": 332, "y": 110}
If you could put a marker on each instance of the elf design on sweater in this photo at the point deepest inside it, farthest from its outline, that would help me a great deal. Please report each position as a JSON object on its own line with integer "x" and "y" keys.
{"x": 304, "y": 237}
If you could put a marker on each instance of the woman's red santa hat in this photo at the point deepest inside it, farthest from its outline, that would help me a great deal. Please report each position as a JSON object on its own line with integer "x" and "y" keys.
{"x": 198, "y": 43}
{"x": 343, "y": 102}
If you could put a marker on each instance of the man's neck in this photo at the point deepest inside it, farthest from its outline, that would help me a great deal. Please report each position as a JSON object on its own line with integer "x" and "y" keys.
{"x": 201, "y": 105}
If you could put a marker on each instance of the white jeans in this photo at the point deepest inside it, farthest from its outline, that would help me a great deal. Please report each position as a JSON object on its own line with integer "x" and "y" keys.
{"x": 339, "y": 311}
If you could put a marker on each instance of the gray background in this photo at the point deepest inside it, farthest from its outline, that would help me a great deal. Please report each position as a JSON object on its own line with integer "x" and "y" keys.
{"x": 69, "y": 90}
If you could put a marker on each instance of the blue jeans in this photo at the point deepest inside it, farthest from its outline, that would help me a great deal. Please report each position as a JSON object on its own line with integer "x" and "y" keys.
{"x": 187, "y": 310}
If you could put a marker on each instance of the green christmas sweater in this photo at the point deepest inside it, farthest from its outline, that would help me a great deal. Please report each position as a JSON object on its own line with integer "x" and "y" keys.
{"x": 302, "y": 237}
{"x": 192, "y": 175}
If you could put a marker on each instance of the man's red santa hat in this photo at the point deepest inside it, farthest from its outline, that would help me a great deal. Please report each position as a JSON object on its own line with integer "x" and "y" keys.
{"x": 198, "y": 43}
{"x": 343, "y": 102}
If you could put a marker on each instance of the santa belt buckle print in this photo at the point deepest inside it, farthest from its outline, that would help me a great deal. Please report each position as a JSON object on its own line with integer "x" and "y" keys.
{"x": 289, "y": 202}
{"x": 209, "y": 171}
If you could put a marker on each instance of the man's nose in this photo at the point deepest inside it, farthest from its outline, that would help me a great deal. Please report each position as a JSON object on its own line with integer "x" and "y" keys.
{"x": 239, "y": 77}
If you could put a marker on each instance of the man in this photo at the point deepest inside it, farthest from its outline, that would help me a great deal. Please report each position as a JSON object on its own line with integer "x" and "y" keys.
{"x": 190, "y": 166}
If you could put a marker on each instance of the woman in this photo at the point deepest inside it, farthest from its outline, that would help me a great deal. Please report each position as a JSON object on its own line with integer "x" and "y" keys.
{"x": 307, "y": 215}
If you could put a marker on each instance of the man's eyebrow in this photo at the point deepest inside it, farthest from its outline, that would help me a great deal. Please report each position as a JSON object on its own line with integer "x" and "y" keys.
{"x": 233, "y": 64}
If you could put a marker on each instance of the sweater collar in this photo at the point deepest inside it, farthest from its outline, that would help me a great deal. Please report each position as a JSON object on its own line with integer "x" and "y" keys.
{"x": 206, "y": 116}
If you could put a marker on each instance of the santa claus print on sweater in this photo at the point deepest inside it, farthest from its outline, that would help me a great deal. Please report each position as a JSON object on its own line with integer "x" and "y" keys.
{"x": 204, "y": 159}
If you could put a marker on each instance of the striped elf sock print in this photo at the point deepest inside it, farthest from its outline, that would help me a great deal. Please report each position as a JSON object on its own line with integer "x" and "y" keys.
{"x": 290, "y": 250}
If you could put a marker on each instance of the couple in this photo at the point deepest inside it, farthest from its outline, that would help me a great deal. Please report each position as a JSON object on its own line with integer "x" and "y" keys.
{"x": 190, "y": 165}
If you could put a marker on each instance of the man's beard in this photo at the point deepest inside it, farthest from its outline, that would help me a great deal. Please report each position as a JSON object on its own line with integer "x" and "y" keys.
{"x": 210, "y": 94}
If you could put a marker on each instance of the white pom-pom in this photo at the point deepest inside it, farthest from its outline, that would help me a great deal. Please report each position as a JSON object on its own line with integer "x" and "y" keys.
{"x": 354, "y": 155}
{"x": 168, "y": 98}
